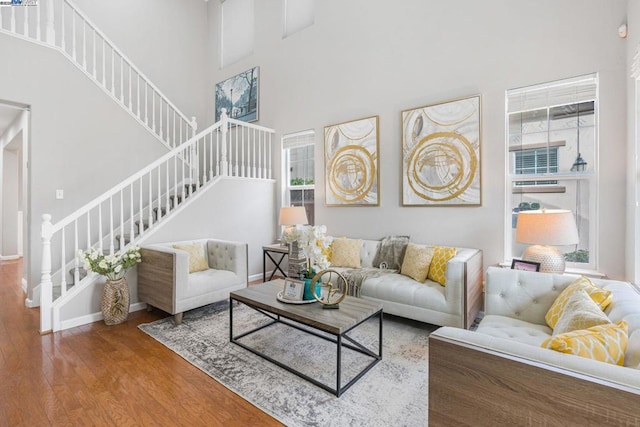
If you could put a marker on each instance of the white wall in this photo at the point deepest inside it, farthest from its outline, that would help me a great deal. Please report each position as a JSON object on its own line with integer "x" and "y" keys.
{"x": 633, "y": 166}
{"x": 362, "y": 58}
{"x": 10, "y": 208}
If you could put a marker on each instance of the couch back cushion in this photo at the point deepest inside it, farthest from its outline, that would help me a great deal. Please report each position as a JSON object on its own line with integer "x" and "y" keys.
{"x": 368, "y": 252}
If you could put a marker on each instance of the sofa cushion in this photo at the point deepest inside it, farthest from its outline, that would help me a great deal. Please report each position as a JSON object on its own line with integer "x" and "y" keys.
{"x": 391, "y": 252}
{"x": 606, "y": 343}
{"x": 346, "y": 252}
{"x": 417, "y": 260}
{"x": 580, "y": 312}
{"x": 197, "y": 258}
{"x": 438, "y": 268}
{"x": 203, "y": 282}
{"x": 600, "y": 296}
{"x": 514, "y": 329}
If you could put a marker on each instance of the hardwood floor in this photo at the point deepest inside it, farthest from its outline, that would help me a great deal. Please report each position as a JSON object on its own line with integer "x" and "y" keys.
{"x": 102, "y": 375}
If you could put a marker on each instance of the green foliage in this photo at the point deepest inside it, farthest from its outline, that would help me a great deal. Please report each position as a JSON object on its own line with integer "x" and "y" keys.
{"x": 302, "y": 181}
{"x": 580, "y": 255}
{"x": 112, "y": 266}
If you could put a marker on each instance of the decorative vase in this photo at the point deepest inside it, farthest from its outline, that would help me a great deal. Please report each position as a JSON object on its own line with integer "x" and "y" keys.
{"x": 115, "y": 301}
{"x": 307, "y": 290}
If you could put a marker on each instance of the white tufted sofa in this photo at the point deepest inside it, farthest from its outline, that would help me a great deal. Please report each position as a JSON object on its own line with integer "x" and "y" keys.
{"x": 513, "y": 329}
{"x": 164, "y": 280}
{"x": 455, "y": 304}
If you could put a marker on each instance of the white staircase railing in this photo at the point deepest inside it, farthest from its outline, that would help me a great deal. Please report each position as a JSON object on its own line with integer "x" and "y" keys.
{"x": 61, "y": 25}
{"x": 127, "y": 214}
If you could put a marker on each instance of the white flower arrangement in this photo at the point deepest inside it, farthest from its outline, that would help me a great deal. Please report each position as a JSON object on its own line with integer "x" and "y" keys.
{"x": 114, "y": 266}
{"x": 313, "y": 243}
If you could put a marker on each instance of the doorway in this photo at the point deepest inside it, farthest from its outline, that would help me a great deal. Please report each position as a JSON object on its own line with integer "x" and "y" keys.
{"x": 14, "y": 213}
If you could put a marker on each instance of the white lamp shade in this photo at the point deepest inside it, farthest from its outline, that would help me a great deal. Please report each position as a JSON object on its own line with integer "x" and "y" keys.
{"x": 553, "y": 227}
{"x": 293, "y": 215}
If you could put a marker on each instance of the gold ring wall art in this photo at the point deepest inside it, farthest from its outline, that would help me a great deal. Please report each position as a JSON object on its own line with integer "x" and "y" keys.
{"x": 351, "y": 163}
{"x": 441, "y": 154}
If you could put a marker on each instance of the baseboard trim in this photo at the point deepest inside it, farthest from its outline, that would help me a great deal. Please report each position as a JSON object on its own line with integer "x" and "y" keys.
{"x": 24, "y": 285}
{"x": 95, "y": 317}
{"x": 258, "y": 276}
{"x": 9, "y": 257}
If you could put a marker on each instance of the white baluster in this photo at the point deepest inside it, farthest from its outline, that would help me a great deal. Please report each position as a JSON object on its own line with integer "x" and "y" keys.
{"x": 121, "y": 242}
{"x": 254, "y": 170}
{"x": 168, "y": 204}
{"x": 181, "y": 140}
{"x": 160, "y": 114}
{"x": 243, "y": 160}
{"x": 270, "y": 168}
{"x": 150, "y": 206}
{"x": 63, "y": 268}
{"x": 131, "y": 214}
{"x": 113, "y": 71}
{"x": 184, "y": 165}
{"x": 38, "y": 22}
{"x": 84, "y": 45}
{"x": 111, "y": 245}
{"x": 104, "y": 64}
{"x": 168, "y": 139}
{"x": 204, "y": 159}
{"x": 218, "y": 152}
{"x": 93, "y": 53}
{"x": 130, "y": 83}
{"x": 121, "y": 80}
{"x": 174, "y": 129}
{"x": 138, "y": 95}
{"x": 73, "y": 34}
{"x": 100, "y": 236}
{"x": 224, "y": 128}
{"x": 25, "y": 25}
{"x": 175, "y": 181}
{"x": 51, "y": 32}
{"x": 210, "y": 156}
{"x": 88, "y": 229}
{"x": 146, "y": 104}
{"x": 76, "y": 269}
{"x": 159, "y": 215}
{"x": 153, "y": 111}
{"x": 63, "y": 43}
{"x": 141, "y": 208}
{"x": 237, "y": 163}
{"x": 46, "y": 285}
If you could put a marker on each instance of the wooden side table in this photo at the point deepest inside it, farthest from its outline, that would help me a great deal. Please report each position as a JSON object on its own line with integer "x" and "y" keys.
{"x": 280, "y": 252}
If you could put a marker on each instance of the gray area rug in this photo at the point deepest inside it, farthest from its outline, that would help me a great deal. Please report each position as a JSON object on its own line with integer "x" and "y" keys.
{"x": 393, "y": 393}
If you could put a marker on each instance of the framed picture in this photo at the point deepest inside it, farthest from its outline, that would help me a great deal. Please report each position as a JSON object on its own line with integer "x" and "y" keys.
{"x": 239, "y": 95}
{"x": 441, "y": 154}
{"x": 518, "y": 264}
{"x": 293, "y": 290}
{"x": 351, "y": 163}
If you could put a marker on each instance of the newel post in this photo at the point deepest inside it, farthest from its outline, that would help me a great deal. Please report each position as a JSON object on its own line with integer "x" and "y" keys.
{"x": 46, "y": 286}
{"x": 224, "y": 129}
{"x": 50, "y": 28}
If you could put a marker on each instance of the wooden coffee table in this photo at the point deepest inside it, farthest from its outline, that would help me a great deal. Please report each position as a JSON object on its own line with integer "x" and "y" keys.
{"x": 336, "y": 322}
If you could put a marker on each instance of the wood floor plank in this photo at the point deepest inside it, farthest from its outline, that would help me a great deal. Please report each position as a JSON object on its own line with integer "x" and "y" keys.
{"x": 102, "y": 375}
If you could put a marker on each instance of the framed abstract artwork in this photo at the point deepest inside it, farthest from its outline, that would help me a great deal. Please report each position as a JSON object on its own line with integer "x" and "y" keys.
{"x": 351, "y": 163}
{"x": 239, "y": 95}
{"x": 441, "y": 154}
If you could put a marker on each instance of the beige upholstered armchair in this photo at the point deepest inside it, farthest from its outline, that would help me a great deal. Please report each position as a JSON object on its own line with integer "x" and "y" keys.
{"x": 179, "y": 276}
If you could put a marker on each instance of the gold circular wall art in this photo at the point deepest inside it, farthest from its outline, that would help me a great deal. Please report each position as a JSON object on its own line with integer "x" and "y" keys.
{"x": 441, "y": 166}
{"x": 352, "y": 173}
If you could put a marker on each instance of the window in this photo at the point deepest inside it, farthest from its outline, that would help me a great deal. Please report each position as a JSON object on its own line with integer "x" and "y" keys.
{"x": 298, "y": 15}
{"x": 299, "y": 172}
{"x": 236, "y": 30}
{"x": 551, "y": 159}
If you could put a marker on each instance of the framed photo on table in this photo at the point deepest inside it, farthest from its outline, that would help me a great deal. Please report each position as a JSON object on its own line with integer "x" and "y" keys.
{"x": 518, "y": 264}
{"x": 293, "y": 290}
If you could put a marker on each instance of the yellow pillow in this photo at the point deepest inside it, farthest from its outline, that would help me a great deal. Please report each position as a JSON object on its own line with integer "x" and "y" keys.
{"x": 580, "y": 312}
{"x": 606, "y": 343}
{"x": 438, "y": 268}
{"x": 197, "y": 258}
{"x": 417, "y": 260}
{"x": 598, "y": 295}
{"x": 345, "y": 252}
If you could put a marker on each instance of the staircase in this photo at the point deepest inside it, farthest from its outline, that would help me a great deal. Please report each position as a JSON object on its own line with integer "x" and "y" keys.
{"x": 136, "y": 208}
{"x": 60, "y": 25}
{"x": 133, "y": 210}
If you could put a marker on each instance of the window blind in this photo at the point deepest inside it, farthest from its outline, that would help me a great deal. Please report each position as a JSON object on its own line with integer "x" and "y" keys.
{"x": 298, "y": 139}
{"x": 568, "y": 91}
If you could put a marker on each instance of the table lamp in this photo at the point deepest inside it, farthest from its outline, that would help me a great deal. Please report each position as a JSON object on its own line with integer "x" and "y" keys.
{"x": 545, "y": 229}
{"x": 291, "y": 216}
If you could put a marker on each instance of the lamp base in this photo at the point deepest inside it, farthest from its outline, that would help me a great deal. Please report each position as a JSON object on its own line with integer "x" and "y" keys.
{"x": 550, "y": 259}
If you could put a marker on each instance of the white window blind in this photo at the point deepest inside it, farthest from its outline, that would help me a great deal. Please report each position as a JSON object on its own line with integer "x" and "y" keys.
{"x": 237, "y": 30}
{"x": 298, "y": 139}
{"x": 568, "y": 91}
{"x": 298, "y": 15}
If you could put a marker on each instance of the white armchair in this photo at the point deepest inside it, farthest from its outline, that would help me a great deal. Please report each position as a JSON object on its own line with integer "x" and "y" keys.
{"x": 164, "y": 280}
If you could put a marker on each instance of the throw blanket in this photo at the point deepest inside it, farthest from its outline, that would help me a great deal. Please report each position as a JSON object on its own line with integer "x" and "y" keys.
{"x": 356, "y": 276}
{"x": 391, "y": 251}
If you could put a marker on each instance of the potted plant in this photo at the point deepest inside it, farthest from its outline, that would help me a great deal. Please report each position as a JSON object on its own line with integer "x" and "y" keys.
{"x": 115, "y": 298}
{"x": 313, "y": 244}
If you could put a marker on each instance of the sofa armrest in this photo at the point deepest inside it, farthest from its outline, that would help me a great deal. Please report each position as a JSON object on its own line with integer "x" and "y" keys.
{"x": 464, "y": 283}
{"x": 523, "y": 384}
{"x": 227, "y": 255}
{"x": 161, "y": 268}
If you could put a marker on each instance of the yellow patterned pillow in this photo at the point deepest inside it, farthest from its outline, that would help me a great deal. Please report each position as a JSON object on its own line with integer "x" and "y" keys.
{"x": 580, "y": 312}
{"x": 438, "y": 268}
{"x": 598, "y": 295}
{"x": 606, "y": 343}
{"x": 417, "y": 260}
{"x": 197, "y": 258}
{"x": 345, "y": 252}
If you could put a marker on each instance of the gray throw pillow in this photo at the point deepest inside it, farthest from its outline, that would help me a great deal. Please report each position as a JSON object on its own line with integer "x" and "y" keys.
{"x": 391, "y": 252}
